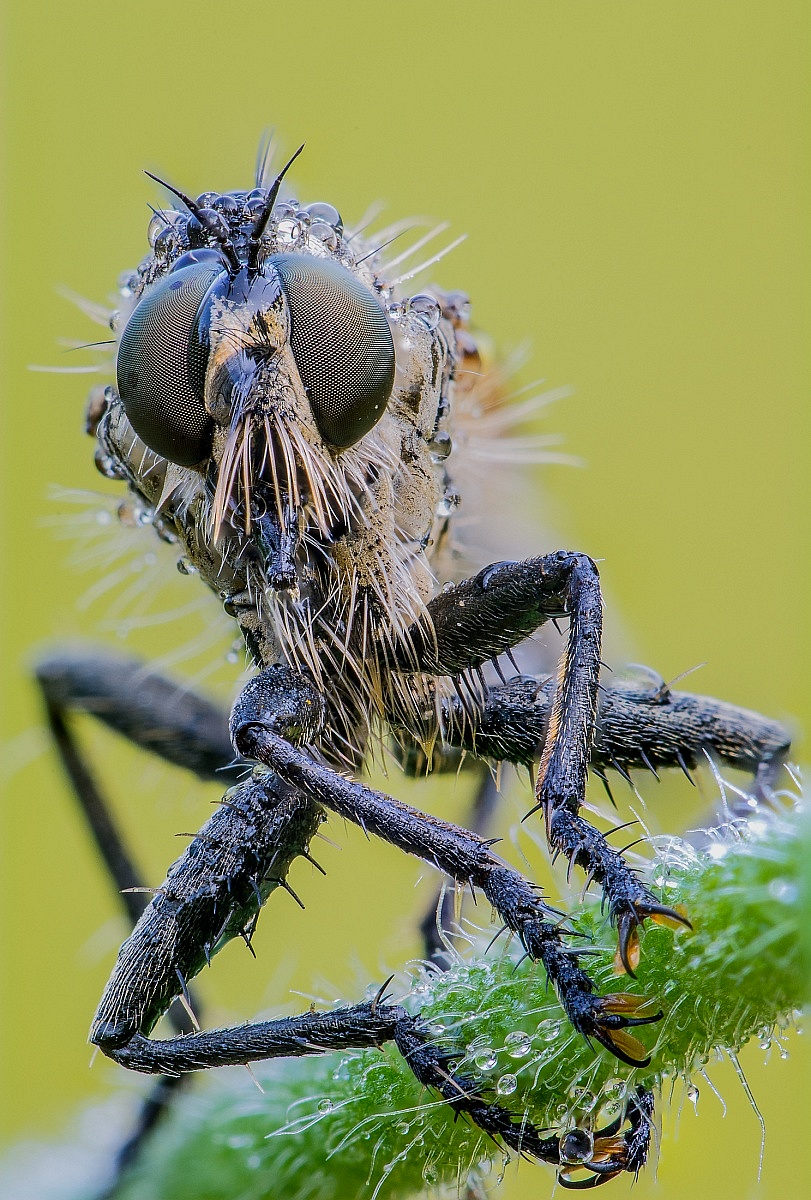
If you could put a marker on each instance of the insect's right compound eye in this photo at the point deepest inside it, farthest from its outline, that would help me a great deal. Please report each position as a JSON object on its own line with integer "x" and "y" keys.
{"x": 161, "y": 365}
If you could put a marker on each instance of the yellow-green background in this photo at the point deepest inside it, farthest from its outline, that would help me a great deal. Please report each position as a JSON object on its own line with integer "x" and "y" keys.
{"x": 632, "y": 177}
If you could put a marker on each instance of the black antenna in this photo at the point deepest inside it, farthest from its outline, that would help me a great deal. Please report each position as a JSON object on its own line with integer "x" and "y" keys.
{"x": 260, "y": 224}
{"x": 211, "y": 223}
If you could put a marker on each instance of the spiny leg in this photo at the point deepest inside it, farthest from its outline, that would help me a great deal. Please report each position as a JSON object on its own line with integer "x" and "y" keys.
{"x": 213, "y": 893}
{"x": 278, "y": 707}
{"x": 160, "y": 716}
{"x": 476, "y": 620}
{"x": 636, "y": 727}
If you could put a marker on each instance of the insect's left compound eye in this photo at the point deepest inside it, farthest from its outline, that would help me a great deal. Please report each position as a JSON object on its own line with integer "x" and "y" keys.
{"x": 342, "y": 345}
{"x": 161, "y": 365}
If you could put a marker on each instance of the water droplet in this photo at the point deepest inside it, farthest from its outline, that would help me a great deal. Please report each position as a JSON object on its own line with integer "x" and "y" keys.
{"x": 615, "y": 1088}
{"x": 448, "y": 503}
{"x": 550, "y": 1030}
{"x": 115, "y": 319}
{"x": 103, "y": 517}
{"x": 435, "y": 1029}
{"x": 326, "y": 213}
{"x": 427, "y": 309}
{"x": 506, "y": 1085}
{"x": 396, "y": 310}
{"x": 185, "y": 567}
{"x": 107, "y": 466}
{"x": 289, "y": 231}
{"x": 717, "y": 850}
{"x": 576, "y": 1146}
{"x": 325, "y": 234}
{"x": 783, "y": 1052}
{"x": 325, "y": 1105}
{"x": 517, "y": 1044}
{"x": 692, "y": 1095}
{"x": 440, "y": 446}
{"x": 253, "y": 1162}
{"x": 783, "y": 891}
{"x": 239, "y": 1141}
{"x": 402, "y": 1127}
{"x": 486, "y": 1059}
{"x": 155, "y": 226}
{"x": 429, "y": 1174}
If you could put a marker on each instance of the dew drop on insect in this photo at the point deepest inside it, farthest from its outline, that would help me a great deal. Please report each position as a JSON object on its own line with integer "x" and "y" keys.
{"x": 448, "y": 503}
{"x": 115, "y": 319}
{"x": 325, "y": 1105}
{"x": 692, "y": 1095}
{"x": 517, "y": 1044}
{"x": 325, "y": 234}
{"x": 289, "y": 231}
{"x": 327, "y": 214}
{"x": 185, "y": 567}
{"x": 427, "y": 309}
{"x": 396, "y": 310}
{"x": 156, "y": 226}
{"x": 576, "y": 1146}
{"x": 506, "y": 1085}
{"x": 440, "y": 446}
{"x": 107, "y": 467}
{"x": 486, "y": 1059}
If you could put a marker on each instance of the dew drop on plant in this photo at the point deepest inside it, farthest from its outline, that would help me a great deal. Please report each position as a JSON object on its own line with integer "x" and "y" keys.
{"x": 615, "y": 1088}
{"x": 783, "y": 891}
{"x": 239, "y": 1141}
{"x": 429, "y": 1174}
{"x": 402, "y": 1127}
{"x": 325, "y": 1105}
{"x": 253, "y": 1162}
{"x": 549, "y": 1030}
{"x": 517, "y": 1044}
{"x": 486, "y": 1059}
{"x": 692, "y": 1095}
{"x": 506, "y": 1085}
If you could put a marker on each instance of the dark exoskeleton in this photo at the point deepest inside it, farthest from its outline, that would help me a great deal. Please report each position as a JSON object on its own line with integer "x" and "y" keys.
{"x": 285, "y": 414}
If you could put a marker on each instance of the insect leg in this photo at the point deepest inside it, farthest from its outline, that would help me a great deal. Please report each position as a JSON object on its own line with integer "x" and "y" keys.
{"x": 156, "y": 714}
{"x": 479, "y": 618}
{"x": 636, "y": 728}
{"x": 211, "y": 894}
{"x": 278, "y": 708}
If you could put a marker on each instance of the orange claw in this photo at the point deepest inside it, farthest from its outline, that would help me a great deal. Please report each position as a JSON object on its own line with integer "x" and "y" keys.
{"x": 627, "y": 1002}
{"x": 628, "y": 922}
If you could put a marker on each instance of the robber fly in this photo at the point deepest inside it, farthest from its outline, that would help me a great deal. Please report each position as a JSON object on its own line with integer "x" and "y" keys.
{"x": 295, "y": 422}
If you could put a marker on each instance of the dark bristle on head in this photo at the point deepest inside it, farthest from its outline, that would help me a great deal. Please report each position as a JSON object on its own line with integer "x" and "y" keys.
{"x": 260, "y": 224}
{"x": 215, "y": 228}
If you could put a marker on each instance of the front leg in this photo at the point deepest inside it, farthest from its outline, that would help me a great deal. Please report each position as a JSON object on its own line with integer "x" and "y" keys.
{"x": 477, "y": 620}
{"x": 275, "y": 710}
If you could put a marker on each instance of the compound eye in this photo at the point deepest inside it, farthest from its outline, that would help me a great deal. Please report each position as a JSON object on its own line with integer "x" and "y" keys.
{"x": 342, "y": 345}
{"x": 161, "y": 365}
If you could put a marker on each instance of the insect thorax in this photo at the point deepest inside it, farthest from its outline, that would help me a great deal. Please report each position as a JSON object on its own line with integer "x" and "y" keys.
{"x": 323, "y": 556}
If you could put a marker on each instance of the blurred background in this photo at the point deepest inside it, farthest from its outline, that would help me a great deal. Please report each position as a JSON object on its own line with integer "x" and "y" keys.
{"x": 633, "y": 181}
